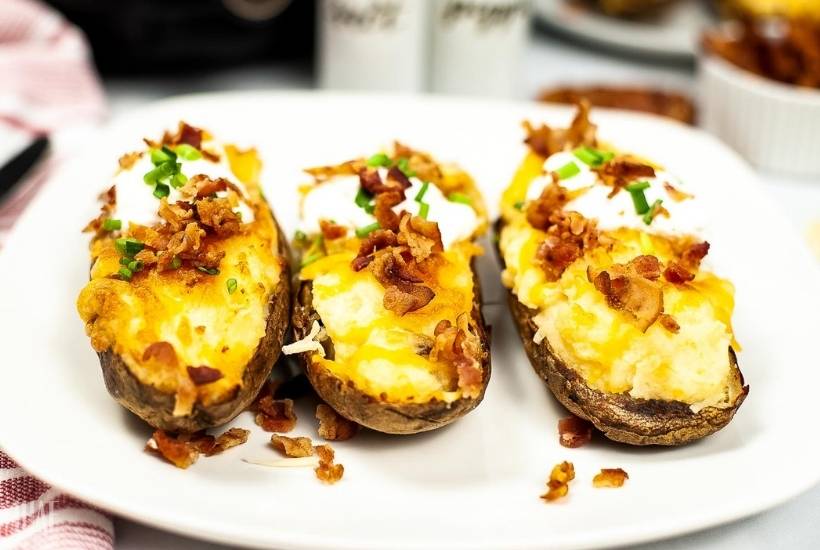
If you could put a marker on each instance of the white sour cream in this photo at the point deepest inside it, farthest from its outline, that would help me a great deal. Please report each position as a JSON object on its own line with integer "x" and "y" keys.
{"x": 685, "y": 216}
{"x": 335, "y": 200}
{"x": 137, "y": 204}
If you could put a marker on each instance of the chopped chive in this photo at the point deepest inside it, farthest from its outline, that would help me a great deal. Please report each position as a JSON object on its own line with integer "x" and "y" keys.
{"x": 161, "y": 191}
{"x": 299, "y": 236}
{"x": 176, "y": 262}
{"x": 135, "y": 266}
{"x": 125, "y": 273}
{"x": 125, "y": 261}
{"x": 151, "y": 177}
{"x": 422, "y": 191}
{"x": 379, "y": 159}
{"x": 363, "y": 198}
{"x": 404, "y": 165}
{"x": 370, "y": 208}
{"x": 568, "y": 170}
{"x": 187, "y": 152}
{"x": 311, "y": 258}
{"x": 128, "y": 246}
{"x": 637, "y": 186}
{"x": 519, "y": 205}
{"x": 159, "y": 156}
{"x": 459, "y": 197}
{"x": 112, "y": 225}
{"x": 362, "y": 232}
{"x": 424, "y": 209}
{"x": 592, "y": 157}
{"x": 179, "y": 180}
{"x": 639, "y": 200}
{"x": 231, "y": 284}
{"x": 652, "y": 212}
{"x": 208, "y": 270}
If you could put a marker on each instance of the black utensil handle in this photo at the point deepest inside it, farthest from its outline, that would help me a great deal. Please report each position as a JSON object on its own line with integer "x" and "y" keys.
{"x": 14, "y": 170}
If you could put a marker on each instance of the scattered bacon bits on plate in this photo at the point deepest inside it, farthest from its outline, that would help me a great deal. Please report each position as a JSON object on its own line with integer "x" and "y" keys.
{"x": 333, "y": 426}
{"x": 327, "y": 471}
{"x": 610, "y": 477}
{"x": 275, "y": 415}
{"x": 292, "y": 447}
{"x": 558, "y": 483}
{"x": 574, "y": 432}
{"x": 184, "y": 449}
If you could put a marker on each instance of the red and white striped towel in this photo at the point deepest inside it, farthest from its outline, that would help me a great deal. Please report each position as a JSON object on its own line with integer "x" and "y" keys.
{"x": 47, "y": 86}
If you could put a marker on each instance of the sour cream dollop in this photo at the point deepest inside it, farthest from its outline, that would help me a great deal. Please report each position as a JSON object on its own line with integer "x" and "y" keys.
{"x": 137, "y": 204}
{"x": 685, "y": 216}
{"x": 335, "y": 200}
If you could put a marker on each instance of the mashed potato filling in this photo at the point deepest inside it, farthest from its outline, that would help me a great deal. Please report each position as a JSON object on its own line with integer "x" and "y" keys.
{"x": 601, "y": 343}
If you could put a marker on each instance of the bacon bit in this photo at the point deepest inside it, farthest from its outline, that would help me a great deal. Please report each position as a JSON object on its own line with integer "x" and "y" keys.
{"x": 375, "y": 241}
{"x": 669, "y": 323}
{"x": 425, "y": 166}
{"x": 396, "y": 175}
{"x": 231, "y": 438}
{"x": 610, "y": 477}
{"x": 275, "y": 415}
{"x": 621, "y": 172}
{"x": 371, "y": 181}
{"x": 327, "y": 471}
{"x": 202, "y": 442}
{"x": 162, "y": 352}
{"x": 558, "y": 483}
{"x": 360, "y": 262}
{"x": 188, "y": 134}
{"x": 693, "y": 255}
{"x": 201, "y": 186}
{"x": 540, "y": 212}
{"x": 203, "y": 375}
{"x": 383, "y": 210}
{"x": 677, "y": 274}
{"x": 109, "y": 203}
{"x": 546, "y": 141}
{"x": 556, "y": 256}
{"x": 218, "y": 215}
{"x": 179, "y": 453}
{"x": 421, "y": 236}
{"x": 324, "y": 173}
{"x": 333, "y": 426}
{"x": 459, "y": 346}
{"x": 574, "y": 432}
{"x": 627, "y": 290}
{"x": 332, "y": 231}
{"x": 676, "y": 194}
{"x": 390, "y": 268}
{"x": 128, "y": 160}
{"x": 648, "y": 267}
{"x": 176, "y": 215}
{"x": 292, "y": 447}
{"x": 187, "y": 242}
{"x": 402, "y": 298}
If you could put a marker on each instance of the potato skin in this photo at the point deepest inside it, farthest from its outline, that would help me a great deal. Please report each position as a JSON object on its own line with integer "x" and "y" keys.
{"x": 371, "y": 411}
{"x": 156, "y": 407}
{"x": 618, "y": 416}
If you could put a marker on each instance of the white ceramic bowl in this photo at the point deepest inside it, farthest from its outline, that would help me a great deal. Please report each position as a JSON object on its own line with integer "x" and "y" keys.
{"x": 776, "y": 126}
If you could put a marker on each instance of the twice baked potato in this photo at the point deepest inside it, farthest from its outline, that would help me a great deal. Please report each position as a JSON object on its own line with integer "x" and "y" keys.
{"x": 602, "y": 255}
{"x": 189, "y": 297}
{"x": 388, "y": 316}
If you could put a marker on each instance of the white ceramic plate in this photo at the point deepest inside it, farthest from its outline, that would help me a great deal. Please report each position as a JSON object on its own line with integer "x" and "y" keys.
{"x": 670, "y": 32}
{"x": 474, "y": 484}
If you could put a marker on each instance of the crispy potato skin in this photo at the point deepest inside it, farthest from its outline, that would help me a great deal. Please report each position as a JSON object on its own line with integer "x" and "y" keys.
{"x": 371, "y": 411}
{"x": 156, "y": 407}
{"x": 618, "y": 416}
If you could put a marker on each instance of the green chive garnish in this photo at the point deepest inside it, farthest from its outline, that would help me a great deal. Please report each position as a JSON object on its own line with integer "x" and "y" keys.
{"x": 652, "y": 212}
{"x": 459, "y": 197}
{"x": 424, "y": 209}
{"x": 363, "y": 198}
{"x": 404, "y": 165}
{"x": 310, "y": 259}
{"x": 379, "y": 159}
{"x": 112, "y": 225}
{"x": 176, "y": 262}
{"x": 422, "y": 191}
{"x": 519, "y": 205}
{"x": 370, "y": 208}
{"x": 231, "y": 284}
{"x": 636, "y": 190}
{"x": 160, "y": 156}
{"x": 125, "y": 273}
{"x": 208, "y": 270}
{"x": 568, "y": 170}
{"x": 363, "y": 232}
{"x": 187, "y": 152}
{"x": 161, "y": 191}
{"x": 592, "y": 157}
{"x": 299, "y": 236}
{"x": 125, "y": 261}
{"x": 179, "y": 180}
{"x": 135, "y": 266}
{"x": 128, "y": 246}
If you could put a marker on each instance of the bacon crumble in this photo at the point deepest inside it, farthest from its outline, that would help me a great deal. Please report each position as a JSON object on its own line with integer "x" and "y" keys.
{"x": 669, "y": 323}
{"x": 275, "y": 415}
{"x": 620, "y": 172}
{"x": 558, "y": 483}
{"x": 610, "y": 478}
{"x": 546, "y": 141}
{"x": 203, "y": 375}
{"x": 574, "y": 432}
{"x": 292, "y": 447}
{"x": 333, "y": 426}
{"x": 458, "y": 345}
{"x": 184, "y": 449}
{"x": 327, "y": 471}
{"x": 628, "y": 289}
{"x": 162, "y": 352}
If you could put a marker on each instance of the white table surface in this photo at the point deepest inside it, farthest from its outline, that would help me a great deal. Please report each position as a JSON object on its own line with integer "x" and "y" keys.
{"x": 795, "y": 524}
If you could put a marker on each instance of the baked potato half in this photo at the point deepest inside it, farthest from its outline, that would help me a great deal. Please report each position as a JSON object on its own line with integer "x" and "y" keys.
{"x": 605, "y": 263}
{"x": 387, "y": 316}
{"x": 189, "y": 292}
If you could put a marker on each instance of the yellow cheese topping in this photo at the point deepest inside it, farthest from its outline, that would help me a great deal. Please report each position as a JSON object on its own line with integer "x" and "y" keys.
{"x": 608, "y": 350}
{"x": 204, "y": 322}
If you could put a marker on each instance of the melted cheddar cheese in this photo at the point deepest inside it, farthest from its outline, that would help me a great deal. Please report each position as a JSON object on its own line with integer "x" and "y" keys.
{"x": 601, "y": 343}
{"x": 193, "y": 311}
